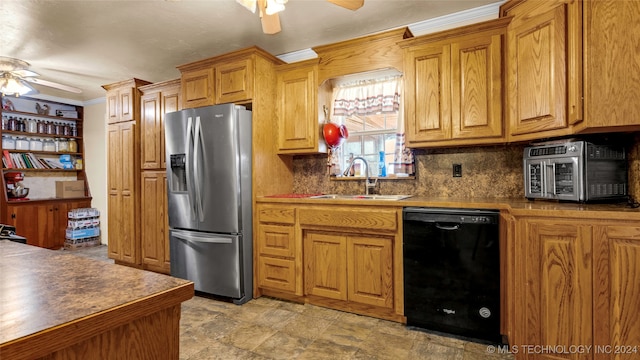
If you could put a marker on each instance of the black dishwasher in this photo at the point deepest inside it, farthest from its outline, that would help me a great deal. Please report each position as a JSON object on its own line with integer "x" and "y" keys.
{"x": 452, "y": 271}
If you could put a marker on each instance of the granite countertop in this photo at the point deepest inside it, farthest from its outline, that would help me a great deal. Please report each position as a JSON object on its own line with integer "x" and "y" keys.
{"x": 519, "y": 206}
{"x": 43, "y": 289}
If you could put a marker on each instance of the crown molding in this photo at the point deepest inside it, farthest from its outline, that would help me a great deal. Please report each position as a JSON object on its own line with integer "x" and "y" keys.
{"x": 461, "y": 18}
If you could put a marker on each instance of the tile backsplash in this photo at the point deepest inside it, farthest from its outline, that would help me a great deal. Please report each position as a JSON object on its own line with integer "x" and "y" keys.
{"x": 490, "y": 171}
{"x": 487, "y": 171}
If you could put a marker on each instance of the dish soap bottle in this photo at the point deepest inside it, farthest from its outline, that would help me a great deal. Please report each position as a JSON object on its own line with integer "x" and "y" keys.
{"x": 382, "y": 169}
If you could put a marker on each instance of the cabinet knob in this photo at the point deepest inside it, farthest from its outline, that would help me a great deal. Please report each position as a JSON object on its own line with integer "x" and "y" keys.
{"x": 13, "y": 215}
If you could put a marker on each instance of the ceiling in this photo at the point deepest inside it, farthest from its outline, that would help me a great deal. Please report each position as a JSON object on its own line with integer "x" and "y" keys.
{"x": 89, "y": 43}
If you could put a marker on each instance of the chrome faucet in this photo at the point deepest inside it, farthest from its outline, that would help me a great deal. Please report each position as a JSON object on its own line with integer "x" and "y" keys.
{"x": 367, "y": 184}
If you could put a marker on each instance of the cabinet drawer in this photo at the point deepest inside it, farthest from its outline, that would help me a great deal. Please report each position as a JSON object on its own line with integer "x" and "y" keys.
{"x": 276, "y": 214}
{"x": 276, "y": 240}
{"x": 278, "y": 274}
{"x": 351, "y": 218}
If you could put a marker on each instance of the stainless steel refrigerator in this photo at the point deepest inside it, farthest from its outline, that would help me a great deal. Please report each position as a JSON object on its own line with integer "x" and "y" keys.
{"x": 208, "y": 152}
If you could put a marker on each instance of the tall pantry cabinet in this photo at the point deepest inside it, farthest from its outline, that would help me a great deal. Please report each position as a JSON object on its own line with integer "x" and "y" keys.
{"x": 156, "y": 100}
{"x": 123, "y": 182}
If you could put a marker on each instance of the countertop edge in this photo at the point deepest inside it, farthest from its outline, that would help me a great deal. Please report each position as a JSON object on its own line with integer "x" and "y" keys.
{"x": 515, "y": 207}
{"x": 64, "y": 335}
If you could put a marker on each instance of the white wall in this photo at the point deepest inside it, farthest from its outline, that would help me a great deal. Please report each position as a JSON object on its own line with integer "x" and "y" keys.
{"x": 95, "y": 148}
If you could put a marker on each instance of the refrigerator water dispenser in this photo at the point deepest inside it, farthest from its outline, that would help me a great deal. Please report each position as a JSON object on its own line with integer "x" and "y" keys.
{"x": 178, "y": 181}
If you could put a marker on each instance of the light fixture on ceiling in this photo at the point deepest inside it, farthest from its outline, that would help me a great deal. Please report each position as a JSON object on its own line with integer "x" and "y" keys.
{"x": 10, "y": 85}
{"x": 274, "y": 6}
{"x": 270, "y": 6}
{"x": 269, "y": 9}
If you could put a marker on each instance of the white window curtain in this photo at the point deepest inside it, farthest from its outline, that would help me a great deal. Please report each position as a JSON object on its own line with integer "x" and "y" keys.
{"x": 368, "y": 97}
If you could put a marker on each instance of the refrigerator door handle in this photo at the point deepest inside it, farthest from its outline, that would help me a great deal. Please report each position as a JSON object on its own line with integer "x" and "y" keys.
{"x": 196, "y": 169}
{"x": 189, "y": 170}
{"x": 200, "y": 239}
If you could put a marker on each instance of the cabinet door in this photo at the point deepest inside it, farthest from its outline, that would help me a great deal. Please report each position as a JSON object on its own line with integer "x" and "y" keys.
{"x": 370, "y": 270}
{"x": 150, "y": 127}
{"x": 617, "y": 294}
{"x": 197, "y": 88}
{"x": 298, "y": 110}
{"x": 114, "y": 185}
{"x": 126, "y": 100}
{"x": 611, "y": 68}
{"x": 476, "y": 69}
{"x": 28, "y": 222}
{"x": 428, "y": 94}
{"x": 325, "y": 265}
{"x": 122, "y": 203}
{"x": 154, "y": 232}
{"x": 128, "y": 209}
{"x": 234, "y": 81}
{"x": 537, "y": 73}
{"x": 170, "y": 101}
{"x": 113, "y": 110}
{"x": 555, "y": 283}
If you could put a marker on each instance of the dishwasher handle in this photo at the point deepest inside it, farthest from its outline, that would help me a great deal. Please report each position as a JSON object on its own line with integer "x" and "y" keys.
{"x": 448, "y": 227}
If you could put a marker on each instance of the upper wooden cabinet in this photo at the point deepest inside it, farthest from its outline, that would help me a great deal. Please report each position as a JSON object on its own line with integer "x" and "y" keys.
{"x": 611, "y": 67}
{"x": 453, "y": 86}
{"x": 197, "y": 88}
{"x": 542, "y": 99}
{"x": 570, "y": 68}
{"x": 297, "y": 96}
{"x": 234, "y": 81}
{"x": 156, "y": 100}
{"x": 222, "y": 79}
{"x": 122, "y": 100}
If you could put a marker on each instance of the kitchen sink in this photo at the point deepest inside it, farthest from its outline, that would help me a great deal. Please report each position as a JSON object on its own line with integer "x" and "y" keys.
{"x": 361, "y": 197}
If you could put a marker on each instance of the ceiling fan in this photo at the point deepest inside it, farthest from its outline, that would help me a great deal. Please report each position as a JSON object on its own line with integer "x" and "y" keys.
{"x": 269, "y": 9}
{"x": 15, "y": 78}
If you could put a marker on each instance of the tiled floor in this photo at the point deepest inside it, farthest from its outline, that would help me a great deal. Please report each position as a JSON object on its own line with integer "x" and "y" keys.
{"x": 267, "y": 328}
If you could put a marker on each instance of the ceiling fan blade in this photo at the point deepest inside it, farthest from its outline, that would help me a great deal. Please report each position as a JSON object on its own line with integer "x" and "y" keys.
{"x": 348, "y": 4}
{"x": 53, "y": 85}
{"x": 24, "y": 73}
{"x": 270, "y": 23}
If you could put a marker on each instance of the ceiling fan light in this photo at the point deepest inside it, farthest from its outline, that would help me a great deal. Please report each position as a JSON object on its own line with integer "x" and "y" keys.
{"x": 12, "y": 86}
{"x": 274, "y": 6}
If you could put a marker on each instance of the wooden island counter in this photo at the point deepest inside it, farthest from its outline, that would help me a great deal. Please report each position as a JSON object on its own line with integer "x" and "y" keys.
{"x": 54, "y": 305}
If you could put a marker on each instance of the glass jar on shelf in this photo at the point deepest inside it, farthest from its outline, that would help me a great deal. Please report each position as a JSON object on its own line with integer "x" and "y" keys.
{"x": 73, "y": 145}
{"x": 48, "y": 145}
{"x": 63, "y": 145}
{"x": 22, "y": 143}
{"x": 12, "y": 124}
{"x": 32, "y": 126}
{"x": 35, "y": 144}
{"x": 8, "y": 142}
{"x": 41, "y": 127}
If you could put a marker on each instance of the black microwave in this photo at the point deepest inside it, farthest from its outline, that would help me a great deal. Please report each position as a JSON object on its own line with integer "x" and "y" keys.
{"x": 575, "y": 171}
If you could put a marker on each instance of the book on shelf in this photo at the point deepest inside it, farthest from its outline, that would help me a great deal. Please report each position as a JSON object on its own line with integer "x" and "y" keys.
{"x": 29, "y": 161}
{"x": 6, "y": 160}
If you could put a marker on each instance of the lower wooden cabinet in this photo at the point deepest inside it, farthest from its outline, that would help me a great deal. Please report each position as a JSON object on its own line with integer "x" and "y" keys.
{"x": 556, "y": 295}
{"x": 155, "y": 223}
{"x": 44, "y": 224}
{"x": 344, "y": 257}
{"x": 349, "y": 267}
{"x": 576, "y": 284}
{"x": 616, "y": 259}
